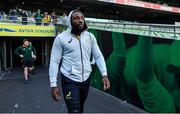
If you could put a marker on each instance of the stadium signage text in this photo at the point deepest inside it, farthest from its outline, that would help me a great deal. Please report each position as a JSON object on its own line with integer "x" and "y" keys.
{"x": 36, "y": 30}
{"x": 27, "y": 30}
{"x": 144, "y": 5}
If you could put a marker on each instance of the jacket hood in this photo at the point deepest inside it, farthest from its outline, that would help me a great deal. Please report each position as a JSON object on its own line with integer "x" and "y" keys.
{"x": 69, "y": 20}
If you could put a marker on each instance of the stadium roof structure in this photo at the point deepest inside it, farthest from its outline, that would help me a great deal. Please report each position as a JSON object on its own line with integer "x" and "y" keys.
{"x": 98, "y": 9}
{"x": 148, "y": 5}
{"x": 165, "y": 2}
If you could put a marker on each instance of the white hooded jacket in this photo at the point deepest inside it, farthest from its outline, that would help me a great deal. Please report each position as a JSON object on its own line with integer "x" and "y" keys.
{"x": 75, "y": 56}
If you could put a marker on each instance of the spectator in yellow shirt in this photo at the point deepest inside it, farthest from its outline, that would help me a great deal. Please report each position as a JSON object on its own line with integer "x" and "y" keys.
{"x": 46, "y": 19}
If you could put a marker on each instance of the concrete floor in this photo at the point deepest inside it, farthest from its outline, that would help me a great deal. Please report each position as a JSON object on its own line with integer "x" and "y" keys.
{"x": 35, "y": 97}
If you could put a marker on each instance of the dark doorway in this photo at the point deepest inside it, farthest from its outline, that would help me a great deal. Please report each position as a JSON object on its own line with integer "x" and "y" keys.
{"x": 37, "y": 45}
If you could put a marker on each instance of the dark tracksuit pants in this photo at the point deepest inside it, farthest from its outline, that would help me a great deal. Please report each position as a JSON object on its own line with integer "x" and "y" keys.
{"x": 75, "y": 94}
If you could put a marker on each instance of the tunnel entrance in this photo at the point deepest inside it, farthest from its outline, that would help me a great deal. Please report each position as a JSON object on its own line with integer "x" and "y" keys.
{"x": 10, "y": 44}
{"x": 37, "y": 44}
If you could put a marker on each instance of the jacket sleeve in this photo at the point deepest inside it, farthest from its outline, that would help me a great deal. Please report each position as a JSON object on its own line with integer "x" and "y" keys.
{"x": 98, "y": 57}
{"x": 17, "y": 51}
{"x": 56, "y": 54}
{"x": 34, "y": 50}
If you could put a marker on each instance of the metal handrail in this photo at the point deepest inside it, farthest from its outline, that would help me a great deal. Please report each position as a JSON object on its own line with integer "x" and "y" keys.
{"x": 165, "y": 28}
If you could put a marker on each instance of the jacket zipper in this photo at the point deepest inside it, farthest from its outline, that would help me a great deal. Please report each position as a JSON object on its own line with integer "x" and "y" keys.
{"x": 81, "y": 58}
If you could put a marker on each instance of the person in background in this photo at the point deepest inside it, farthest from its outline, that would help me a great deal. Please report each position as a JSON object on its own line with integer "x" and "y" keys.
{"x": 54, "y": 18}
{"x": 46, "y": 19}
{"x": 25, "y": 53}
{"x": 38, "y": 17}
{"x": 24, "y": 17}
{"x": 12, "y": 15}
{"x": 64, "y": 19}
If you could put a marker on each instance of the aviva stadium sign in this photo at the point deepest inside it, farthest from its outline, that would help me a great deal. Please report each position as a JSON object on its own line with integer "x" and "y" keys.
{"x": 27, "y": 30}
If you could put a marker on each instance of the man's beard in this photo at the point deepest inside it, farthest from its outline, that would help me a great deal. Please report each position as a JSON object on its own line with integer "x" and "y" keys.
{"x": 77, "y": 29}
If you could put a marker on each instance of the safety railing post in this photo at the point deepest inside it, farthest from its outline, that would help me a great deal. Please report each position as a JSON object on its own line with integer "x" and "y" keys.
{"x": 174, "y": 31}
{"x": 149, "y": 30}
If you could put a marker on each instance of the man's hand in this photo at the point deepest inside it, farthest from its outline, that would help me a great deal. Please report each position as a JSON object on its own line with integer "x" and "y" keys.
{"x": 106, "y": 83}
{"x": 34, "y": 57}
{"x": 21, "y": 56}
{"x": 55, "y": 92}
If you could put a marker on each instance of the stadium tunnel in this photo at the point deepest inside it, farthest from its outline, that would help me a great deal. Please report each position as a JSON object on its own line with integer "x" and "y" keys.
{"x": 41, "y": 44}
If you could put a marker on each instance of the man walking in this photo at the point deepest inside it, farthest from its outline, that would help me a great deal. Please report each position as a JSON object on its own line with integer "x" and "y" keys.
{"x": 25, "y": 53}
{"x": 73, "y": 48}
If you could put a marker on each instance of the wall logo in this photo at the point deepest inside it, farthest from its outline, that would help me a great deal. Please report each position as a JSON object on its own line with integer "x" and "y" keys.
{"x": 30, "y": 30}
{"x": 6, "y": 30}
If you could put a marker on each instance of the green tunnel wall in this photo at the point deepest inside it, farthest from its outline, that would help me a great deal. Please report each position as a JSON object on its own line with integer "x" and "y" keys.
{"x": 138, "y": 69}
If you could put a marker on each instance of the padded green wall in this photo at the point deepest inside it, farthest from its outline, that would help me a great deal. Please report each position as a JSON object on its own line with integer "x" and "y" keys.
{"x": 138, "y": 74}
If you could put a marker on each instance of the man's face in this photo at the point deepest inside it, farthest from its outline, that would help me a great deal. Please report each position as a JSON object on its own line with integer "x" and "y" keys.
{"x": 77, "y": 20}
{"x": 26, "y": 43}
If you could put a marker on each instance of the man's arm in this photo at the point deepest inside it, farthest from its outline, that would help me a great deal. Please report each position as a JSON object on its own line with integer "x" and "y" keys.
{"x": 34, "y": 50}
{"x": 98, "y": 57}
{"x": 56, "y": 54}
{"x": 17, "y": 51}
